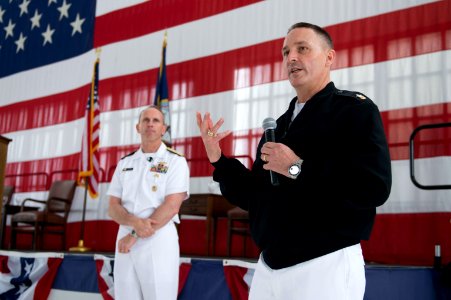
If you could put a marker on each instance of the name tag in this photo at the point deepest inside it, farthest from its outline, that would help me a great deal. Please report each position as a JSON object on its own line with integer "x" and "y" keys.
{"x": 127, "y": 169}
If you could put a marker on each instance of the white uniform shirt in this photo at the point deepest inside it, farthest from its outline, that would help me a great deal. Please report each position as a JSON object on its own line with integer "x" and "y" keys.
{"x": 142, "y": 184}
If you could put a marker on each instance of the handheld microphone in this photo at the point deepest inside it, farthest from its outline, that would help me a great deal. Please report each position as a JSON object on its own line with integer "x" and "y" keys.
{"x": 269, "y": 126}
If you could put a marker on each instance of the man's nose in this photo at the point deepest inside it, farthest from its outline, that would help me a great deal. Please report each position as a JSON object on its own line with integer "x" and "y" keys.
{"x": 292, "y": 56}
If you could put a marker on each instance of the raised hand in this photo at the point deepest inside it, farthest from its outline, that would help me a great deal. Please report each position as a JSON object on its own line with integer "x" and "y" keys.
{"x": 210, "y": 135}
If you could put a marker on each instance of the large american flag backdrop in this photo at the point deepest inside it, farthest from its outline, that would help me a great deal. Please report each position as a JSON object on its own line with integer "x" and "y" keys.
{"x": 224, "y": 57}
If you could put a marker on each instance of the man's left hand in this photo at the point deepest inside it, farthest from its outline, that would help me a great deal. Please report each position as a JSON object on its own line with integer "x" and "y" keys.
{"x": 126, "y": 243}
{"x": 277, "y": 157}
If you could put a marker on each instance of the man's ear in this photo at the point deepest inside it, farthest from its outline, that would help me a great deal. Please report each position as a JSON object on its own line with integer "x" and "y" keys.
{"x": 330, "y": 58}
{"x": 137, "y": 128}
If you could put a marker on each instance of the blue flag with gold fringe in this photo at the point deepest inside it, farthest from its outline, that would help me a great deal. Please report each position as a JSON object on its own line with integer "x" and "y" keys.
{"x": 162, "y": 93}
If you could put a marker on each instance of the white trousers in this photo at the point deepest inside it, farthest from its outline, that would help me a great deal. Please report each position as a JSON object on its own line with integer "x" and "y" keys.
{"x": 339, "y": 275}
{"x": 150, "y": 271}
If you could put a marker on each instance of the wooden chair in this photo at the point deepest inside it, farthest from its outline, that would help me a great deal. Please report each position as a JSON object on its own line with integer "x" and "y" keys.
{"x": 237, "y": 223}
{"x": 51, "y": 220}
{"x": 213, "y": 207}
{"x": 8, "y": 191}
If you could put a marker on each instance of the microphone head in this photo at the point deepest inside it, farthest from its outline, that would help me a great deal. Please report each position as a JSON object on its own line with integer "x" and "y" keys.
{"x": 269, "y": 123}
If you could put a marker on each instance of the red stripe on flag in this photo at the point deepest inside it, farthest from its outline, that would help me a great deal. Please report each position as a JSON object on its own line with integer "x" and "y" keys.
{"x": 4, "y": 269}
{"x": 103, "y": 286}
{"x": 399, "y": 125}
{"x": 393, "y": 35}
{"x": 409, "y": 238}
{"x": 45, "y": 111}
{"x": 234, "y": 276}
{"x": 133, "y": 21}
{"x": 184, "y": 270}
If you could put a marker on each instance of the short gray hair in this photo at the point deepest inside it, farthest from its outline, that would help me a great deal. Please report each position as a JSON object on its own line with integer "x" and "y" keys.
{"x": 149, "y": 107}
{"x": 317, "y": 29}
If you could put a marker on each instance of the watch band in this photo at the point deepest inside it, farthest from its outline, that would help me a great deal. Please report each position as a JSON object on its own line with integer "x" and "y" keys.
{"x": 297, "y": 164}
{"x": 134, "y": 234}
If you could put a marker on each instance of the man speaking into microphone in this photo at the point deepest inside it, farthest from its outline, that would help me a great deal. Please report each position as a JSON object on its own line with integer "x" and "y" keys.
{"x": 332, "y": 167}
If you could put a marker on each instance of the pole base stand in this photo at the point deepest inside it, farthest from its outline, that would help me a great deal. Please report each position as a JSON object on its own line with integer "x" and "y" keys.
{"x": 80, "y": 247}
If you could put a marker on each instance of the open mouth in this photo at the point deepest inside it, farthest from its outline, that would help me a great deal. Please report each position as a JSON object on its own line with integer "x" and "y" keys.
{"x": 295, "y": 69}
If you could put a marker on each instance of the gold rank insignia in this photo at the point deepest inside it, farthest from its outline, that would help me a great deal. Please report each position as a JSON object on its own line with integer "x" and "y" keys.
{"x": 154, "y": 188}
{"x": 360, "y": 96}
{"x": 173, "y": 151}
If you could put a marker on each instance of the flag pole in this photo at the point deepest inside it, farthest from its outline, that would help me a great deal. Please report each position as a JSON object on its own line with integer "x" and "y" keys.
{"x": 81, "y": 247}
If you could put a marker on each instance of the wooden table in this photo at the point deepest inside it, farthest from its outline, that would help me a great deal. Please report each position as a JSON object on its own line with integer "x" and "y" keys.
{"x": 212, "y": 206}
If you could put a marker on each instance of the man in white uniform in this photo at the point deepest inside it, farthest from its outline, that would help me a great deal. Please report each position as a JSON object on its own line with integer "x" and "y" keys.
{"x": 146, "y": 192}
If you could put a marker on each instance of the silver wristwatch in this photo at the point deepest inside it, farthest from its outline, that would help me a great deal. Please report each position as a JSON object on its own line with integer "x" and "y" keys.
{"x": 134, "y": 234}
{"x": 295, "y": 169}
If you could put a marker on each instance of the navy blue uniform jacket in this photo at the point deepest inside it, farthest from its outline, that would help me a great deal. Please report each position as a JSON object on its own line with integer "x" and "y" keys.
{"x": 345, "y": 175}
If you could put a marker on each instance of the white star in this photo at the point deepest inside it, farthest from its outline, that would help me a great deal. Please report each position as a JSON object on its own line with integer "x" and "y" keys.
{"x": 28, "y": 268}
{"x": 24, "y": 7}
{"x": 51, "y": 1}
{"x": 76, "y": 25}
{"x": 48, "y": 35}
{"x": 20, "y": 43}
{"x": 22, "y": 288}
{"x": 36, "y": 19}
{"x": 9, "y": 29}
{"x": 2, "y": 12}
{"x": 64, "y": 10}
